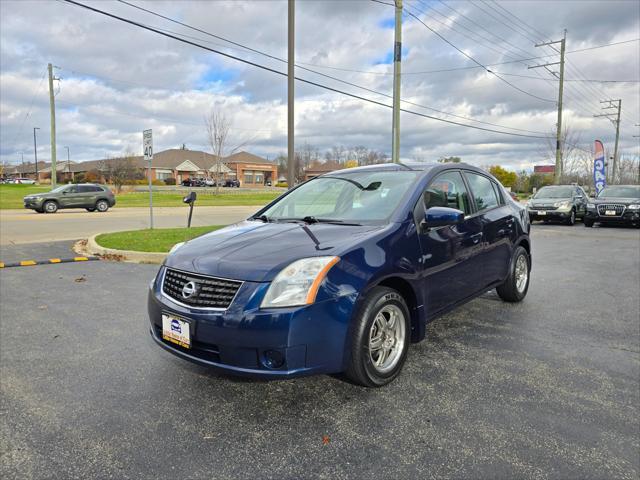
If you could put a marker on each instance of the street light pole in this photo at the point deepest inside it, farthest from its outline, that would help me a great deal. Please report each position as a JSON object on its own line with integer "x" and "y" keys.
{"x": 35, "y": 149}
{"x": 68, "y": 160}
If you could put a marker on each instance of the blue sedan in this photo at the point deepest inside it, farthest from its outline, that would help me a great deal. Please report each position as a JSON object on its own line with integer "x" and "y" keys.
{"x": 342, "y": 273}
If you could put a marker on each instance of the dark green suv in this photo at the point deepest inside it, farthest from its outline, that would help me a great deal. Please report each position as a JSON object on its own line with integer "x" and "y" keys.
{"x": 90, "y": 196}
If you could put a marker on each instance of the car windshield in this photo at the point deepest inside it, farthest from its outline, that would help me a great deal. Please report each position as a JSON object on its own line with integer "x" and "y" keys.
{"x": 632, "y": 191}
{"x": 345, "y": 197}
{"x": 554, "y": 192}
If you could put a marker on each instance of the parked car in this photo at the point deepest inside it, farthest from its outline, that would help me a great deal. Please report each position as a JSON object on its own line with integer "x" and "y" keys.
{"x": 617, "y": 204}
{"x": 562, "y": 203}
{"x": 513, "y": 196}
{"x": 24, "y": 181}
{"x": 89, "y": 196}
{"x": 188, "y": 182}
{"x": 210, "y": 182}
{"x": 343, "y": 285}
{"x": 232, "y": 183}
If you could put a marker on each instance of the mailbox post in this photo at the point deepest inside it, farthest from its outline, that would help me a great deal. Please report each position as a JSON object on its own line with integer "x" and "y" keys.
{"x": 190, "y": 199}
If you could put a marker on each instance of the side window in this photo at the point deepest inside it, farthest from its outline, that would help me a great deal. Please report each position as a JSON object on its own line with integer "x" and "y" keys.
{"x": 95, "y": 189}
{"x": 448, "y": 190}
{"x": 498, "y": 191}
{"x": 84, "y": 189}
{"x": 72, "y": 189}
{"x": 482, "y": 191}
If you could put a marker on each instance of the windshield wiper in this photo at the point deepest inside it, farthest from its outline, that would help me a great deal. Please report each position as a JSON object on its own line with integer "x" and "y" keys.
{"x": 262, "y": 217}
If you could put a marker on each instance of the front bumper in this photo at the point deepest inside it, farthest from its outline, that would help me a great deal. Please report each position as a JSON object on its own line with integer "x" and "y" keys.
{"x": 549, "y": 214}
{"x": 310, "y": 339}
{"x": 629, "y": 217}
{"x": 32, "y": 203}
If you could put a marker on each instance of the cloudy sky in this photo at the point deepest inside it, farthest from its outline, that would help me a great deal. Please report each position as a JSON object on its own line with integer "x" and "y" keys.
{"x": 118, "y": 79}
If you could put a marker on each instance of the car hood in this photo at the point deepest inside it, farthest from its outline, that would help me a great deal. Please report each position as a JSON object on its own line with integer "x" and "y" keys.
{"x": 624, "y": 201}
{"x": 257, "y": 251}
{"x": 549, "y": 201}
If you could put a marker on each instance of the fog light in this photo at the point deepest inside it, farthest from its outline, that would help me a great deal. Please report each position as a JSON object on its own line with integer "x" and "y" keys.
{"x": 273, "y": 359}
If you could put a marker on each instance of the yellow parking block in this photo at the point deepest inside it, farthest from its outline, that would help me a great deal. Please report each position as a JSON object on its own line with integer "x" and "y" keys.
{"x": 54, "y": 260}
{"x": 80, "y": 259}
{"x": 27, "y": 263}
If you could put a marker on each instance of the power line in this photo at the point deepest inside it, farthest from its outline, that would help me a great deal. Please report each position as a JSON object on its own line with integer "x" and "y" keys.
{"x": 314, "y": 71}
{"x": 409, "y": 12}
{"x": 309, "y": 82}
{"x": 570, "y": 79}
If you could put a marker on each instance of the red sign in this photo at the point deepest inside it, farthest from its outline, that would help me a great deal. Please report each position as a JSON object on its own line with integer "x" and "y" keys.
{"x": 544, "y": 169}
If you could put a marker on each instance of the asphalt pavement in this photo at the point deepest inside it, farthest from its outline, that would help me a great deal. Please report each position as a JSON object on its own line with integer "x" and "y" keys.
{"x": 27, "y": 226}
{"x": 548, "y": 388}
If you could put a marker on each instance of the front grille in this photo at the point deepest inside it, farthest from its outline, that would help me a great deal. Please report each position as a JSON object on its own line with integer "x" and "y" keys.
{"x": 619, "y": 209}
{"x": 543, "y": 207}
{"x": 210, "y": 292}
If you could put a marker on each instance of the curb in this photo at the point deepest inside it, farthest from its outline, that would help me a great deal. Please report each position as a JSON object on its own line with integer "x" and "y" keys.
{"x": 50, "y": 261}
{"x": 93, "y": 248}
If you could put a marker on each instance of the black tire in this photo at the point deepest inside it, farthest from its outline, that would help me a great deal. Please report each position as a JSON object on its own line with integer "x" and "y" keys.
{"x": 588, "y": 223}
{"x": 572, "y": 219}
{"x": 92, "y": 209}
{"x": 510, "y": 291}
{"x": 102, "y": 206}
{"x": 50, "y": 206}
{"x": 39, "y": 210}
{"x": 361, "y": 369}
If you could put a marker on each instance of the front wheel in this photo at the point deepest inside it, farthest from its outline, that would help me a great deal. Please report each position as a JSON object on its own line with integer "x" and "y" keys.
{"x": 515, "y": 287}
{"x": 50, "y": 206}
{"x": 380, "y": 338}
{"x": 92, "y": 209}
{"x": 587, "y": 222}
{"x": 572, "y": 218}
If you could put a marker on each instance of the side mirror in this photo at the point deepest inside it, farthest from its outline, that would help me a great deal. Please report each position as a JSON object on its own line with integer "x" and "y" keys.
{"x": 190, "y": 198}
{"x": 442, "y": 216}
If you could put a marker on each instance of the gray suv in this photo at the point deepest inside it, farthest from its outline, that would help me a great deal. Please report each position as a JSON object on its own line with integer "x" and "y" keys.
{"x": 562, "y": 203}
{"x": 89, "y": 196}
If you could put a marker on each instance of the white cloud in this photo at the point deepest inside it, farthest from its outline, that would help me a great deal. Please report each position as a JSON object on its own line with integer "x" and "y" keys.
{"x": 118, "y": 80}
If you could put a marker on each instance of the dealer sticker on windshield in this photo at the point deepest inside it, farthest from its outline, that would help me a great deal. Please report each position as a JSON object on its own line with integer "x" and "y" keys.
{"x": 176, "y": 330}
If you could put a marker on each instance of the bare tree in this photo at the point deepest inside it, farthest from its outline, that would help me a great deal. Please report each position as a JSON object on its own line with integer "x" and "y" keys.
{"x": 120, "y": 170}
{"x": 218, "y": 125}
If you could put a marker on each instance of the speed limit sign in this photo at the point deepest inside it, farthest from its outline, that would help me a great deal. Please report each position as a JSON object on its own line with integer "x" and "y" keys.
{"x": 147, "y": 145}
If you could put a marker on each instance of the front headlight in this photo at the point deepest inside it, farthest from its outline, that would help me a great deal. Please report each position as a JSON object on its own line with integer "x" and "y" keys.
{"x": 634, "y": 206}
{"x": 564, "y": 204}
{"x": 591, "y": 205}
{"x": 298, "y": 283}
{"x": 175, "y": 247}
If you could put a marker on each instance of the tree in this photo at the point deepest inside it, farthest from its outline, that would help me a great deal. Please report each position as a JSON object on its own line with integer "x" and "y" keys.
{"x": 504, "y": 176}
{"x": 119, "y": 171}
{"x": 449, "y": 160}
{"x": 218, "y": 124}
{"x": 350, "y": 164}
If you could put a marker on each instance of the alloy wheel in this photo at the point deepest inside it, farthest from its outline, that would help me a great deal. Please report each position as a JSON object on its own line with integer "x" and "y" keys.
{"x": 387, "y": 338}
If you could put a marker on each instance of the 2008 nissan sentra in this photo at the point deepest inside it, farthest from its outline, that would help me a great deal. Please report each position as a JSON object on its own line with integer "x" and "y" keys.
{"x": 342, "y": 273}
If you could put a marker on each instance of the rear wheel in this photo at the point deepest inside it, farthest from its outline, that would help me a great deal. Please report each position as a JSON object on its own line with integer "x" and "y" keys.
{"x": 380, "y": 339}
{"x": 102, "y": 205}
{"x": 50, "y": 206}
{"x": 588, "y": 222}
{"x": 515, "y": 287}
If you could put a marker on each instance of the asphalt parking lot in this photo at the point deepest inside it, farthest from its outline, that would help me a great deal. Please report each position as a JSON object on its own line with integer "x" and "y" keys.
{"x": 549, "y": 388}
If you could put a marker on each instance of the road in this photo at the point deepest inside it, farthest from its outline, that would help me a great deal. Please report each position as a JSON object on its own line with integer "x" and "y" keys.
{"x": 548, "y": 388}
{"x": 25, "y": 226}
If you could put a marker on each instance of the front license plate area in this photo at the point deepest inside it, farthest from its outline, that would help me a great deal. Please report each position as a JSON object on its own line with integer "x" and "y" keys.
{"x": 176, "y": 330}
{"x": 610, "y": 212}
{"x": 542, "y": 212}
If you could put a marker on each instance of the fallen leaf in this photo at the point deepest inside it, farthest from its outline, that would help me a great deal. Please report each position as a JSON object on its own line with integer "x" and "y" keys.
{"x": 42, "y": 307}
{"x": 56, "y": 336}
{"x": 325, "y": 440}
{"x": 80, "y": 279}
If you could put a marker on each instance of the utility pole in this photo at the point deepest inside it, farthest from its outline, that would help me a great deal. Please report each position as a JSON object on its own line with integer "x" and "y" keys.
{"x": 397, "y": 59}
{"x": 52, "y": 105}
{"x": 35, "y": 149}
{"x": 290, "y": 95}
{"x": 616, "y": 122}
{"x": 558, "y": 169}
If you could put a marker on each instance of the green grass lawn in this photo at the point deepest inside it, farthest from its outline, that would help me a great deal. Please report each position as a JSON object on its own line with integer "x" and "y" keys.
{"x": 156, "y": 240}
{"x": 11, "y": 197}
